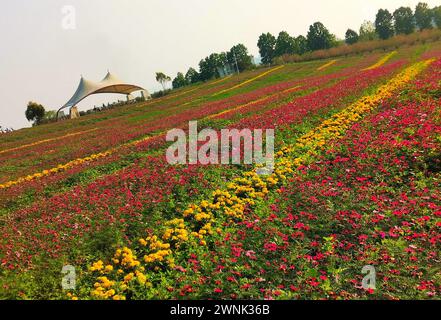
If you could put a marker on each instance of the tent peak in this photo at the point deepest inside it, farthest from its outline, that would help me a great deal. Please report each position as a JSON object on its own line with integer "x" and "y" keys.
{"x": 110, "y": 84}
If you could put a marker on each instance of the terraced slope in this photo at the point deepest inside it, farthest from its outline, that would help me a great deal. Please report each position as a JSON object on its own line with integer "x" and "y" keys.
{"x": 356, "y": 183}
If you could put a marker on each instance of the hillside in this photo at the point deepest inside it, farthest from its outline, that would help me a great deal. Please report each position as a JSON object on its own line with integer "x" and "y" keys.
{"x": 356, "y": 183}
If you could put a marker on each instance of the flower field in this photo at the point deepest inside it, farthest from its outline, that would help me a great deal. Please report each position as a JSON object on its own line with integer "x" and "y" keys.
{"x": 356, "y": 183}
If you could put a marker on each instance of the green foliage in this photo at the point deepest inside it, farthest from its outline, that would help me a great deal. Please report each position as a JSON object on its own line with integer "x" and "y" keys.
{"x": 266, "y": 45}
{"x": 43, "y": 282}
{"x": 351, "y": 37}
{"x": 384, "y": 24}
{"x": 285, "y": 44}
{"x": 404, "y": 21}
{"x": 319, "y": 37}
{"x": 179, "y": 81}
{"x": 208, "y": 67}
{"x": 35, "y": 112}
{"x": 162, "y": 79}
{"x": 301, "y": 45}
{"x": 51, "y": 116}
{"x": 437, "y": 16}
{"x": 239, "y": 54}
{"x": 211, "y": 66}
{"x": 423, "y": 16}
{"x": 367, "y": 31}
{"x": 192, "y": 76}
{"x": 161, "y": 93}
{"x": 104, "y": 242}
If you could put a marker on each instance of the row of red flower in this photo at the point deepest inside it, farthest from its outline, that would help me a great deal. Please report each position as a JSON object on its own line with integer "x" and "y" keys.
{"x": 128, "y": 198}
{"x": 180, "y": 120}
{"x": 373, "y": 199}
{"x": 128, "y": 127}
{"x": 119, "y": 126}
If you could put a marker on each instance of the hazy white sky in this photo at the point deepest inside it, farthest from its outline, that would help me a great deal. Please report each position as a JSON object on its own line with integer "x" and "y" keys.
{"x": 41, "y": 61}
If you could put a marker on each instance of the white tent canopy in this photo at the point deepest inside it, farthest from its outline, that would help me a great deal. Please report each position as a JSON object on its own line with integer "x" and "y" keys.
{"x": 110, "y": 84}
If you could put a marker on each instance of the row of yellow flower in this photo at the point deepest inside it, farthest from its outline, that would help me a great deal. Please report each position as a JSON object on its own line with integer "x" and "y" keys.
{"x": 179, "y": 94}
{"x": 382, "y": 61}
{"x": 56, "y": 169}
{"x": 253, "y": 102}
{"x": 327, "y": 65}
{"x": 79, "y": 161}
{"x": 47, "y": 140}
{"x": 192, "y": 90}
{"x": 73, "y": 163}
{"x": 128, "y": 274}
{"x": 249, "y": 80}
{"x": 96, "y": 156}
{"x": 210, "y": 84}
{"x": 339, "y": 123}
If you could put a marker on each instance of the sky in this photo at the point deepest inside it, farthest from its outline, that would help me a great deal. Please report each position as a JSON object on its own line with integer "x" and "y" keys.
{"x": 44, "y": 51}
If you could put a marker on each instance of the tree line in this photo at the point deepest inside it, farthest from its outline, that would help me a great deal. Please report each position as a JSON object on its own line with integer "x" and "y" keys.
{"x": 213, "y": 66}
{"x": 403, "y": 20}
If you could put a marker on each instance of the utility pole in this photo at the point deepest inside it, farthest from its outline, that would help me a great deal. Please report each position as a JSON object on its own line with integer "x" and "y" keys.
{"x": 235, "y": 60}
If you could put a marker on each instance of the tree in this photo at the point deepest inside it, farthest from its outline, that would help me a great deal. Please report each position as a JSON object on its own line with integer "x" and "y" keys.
{"x": 285, "y": 44}
{"x": 384, "y": 24}
{"x": 266, "y": 45}
{"x": 162, "y": 79}
{"x": 301, "y": 45}
{"x": 208, "y": 67}
{"x": 49, "y": 115}
{"x": 239, "y": 54}
{"x": 35, "y": 112}
{"x": 351, "y": 37}
{"x": 404, "y": 22}
{"x": 423, "y": 16}
{"x": 367, "y": 31}
{"x": 319, "y": 37}
{"x": 437, "y": 16}
{"x": 205, "y": 71}
{"x": 192, "y": 76}
{"x": 179, "y": 81}
{"x": 222, "y": 59}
